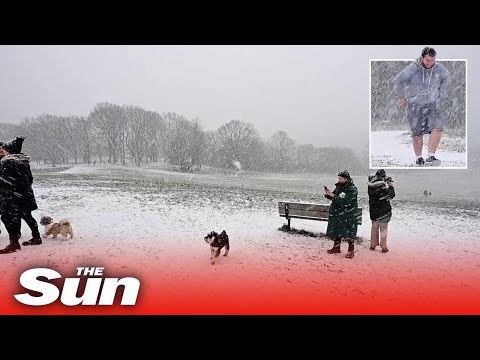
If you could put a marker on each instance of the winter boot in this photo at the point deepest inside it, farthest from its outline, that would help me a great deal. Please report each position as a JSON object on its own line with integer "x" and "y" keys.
{"x": 351, "y": 250}
{"x": 12, "y": 247}
{"x": 336, "y": 247}
{"x": 33, "y": 241}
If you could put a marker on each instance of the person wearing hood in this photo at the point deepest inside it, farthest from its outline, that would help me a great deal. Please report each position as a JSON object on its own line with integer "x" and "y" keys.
{"x": 17, "y": 200}
{"x": 380, "y": 192}
{"x": 421, "y": 87}
{"x": 342, "y": 217}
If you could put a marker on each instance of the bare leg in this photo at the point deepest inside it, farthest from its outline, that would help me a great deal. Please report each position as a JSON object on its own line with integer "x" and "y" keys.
{"x": 418, "y": 144}
{"x": 434, "y": 140}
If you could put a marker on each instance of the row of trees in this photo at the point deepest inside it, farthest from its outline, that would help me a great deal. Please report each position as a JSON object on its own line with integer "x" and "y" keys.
{"x": 121, "y": 134}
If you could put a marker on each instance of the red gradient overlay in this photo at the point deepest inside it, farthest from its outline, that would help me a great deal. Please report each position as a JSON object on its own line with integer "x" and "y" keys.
{"x": 204, "y": 289}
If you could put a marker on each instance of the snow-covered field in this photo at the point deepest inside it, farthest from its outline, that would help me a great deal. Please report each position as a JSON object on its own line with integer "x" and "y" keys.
{"x": 393, "y": 149}
{"x": 152, "y": 221}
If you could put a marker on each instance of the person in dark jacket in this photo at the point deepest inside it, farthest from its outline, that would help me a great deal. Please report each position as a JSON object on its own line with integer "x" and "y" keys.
{"x": 17, "y": 200}
{"x": 342, "y": 220}
{"x": 380, "y": 192}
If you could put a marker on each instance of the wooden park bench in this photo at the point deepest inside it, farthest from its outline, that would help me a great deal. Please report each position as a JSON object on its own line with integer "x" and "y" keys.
{"x": 290, "y": 210}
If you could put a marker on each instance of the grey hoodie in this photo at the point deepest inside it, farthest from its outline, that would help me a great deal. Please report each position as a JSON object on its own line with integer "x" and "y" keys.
{"x": 421, "y": 86}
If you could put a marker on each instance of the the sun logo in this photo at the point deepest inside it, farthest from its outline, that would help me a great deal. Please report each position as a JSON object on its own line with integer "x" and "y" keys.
{"x": 97, "y": 290}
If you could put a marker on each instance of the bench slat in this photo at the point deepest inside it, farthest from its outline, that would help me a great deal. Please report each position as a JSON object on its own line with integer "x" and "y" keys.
{"x": 309, "y": 211}
{"x": 299, "y": 206}
{"x": 306, "y": 217}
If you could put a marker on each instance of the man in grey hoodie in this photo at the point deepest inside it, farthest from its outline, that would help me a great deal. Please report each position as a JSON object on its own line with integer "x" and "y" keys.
{"x": 421, "y": 87}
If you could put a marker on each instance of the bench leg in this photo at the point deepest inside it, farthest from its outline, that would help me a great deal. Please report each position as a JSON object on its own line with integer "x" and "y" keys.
{"x": 288, "y": 220}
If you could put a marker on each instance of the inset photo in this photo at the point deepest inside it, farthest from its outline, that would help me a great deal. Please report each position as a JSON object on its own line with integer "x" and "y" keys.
{"x": 418, "y": 112}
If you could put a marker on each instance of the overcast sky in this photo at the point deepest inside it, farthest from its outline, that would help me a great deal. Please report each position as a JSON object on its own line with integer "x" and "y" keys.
{"x": 318, "y": 94}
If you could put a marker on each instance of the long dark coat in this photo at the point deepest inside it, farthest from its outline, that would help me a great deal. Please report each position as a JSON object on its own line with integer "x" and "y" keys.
{"x": 16, "y": 184}
{"x": 342, "y": 221}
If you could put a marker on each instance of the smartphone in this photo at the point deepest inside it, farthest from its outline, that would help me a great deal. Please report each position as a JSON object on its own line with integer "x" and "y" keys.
{"x": 325, "y": 187}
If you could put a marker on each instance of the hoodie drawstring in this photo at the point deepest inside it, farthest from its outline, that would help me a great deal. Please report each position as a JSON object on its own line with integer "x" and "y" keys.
{"x": 429, "y": 78}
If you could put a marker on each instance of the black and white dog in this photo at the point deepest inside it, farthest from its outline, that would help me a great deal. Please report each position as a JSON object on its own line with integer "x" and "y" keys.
{"x": 217, "y": 242}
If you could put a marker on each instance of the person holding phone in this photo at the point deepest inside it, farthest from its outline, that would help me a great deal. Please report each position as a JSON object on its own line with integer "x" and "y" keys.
{"x": 342, "y": 220}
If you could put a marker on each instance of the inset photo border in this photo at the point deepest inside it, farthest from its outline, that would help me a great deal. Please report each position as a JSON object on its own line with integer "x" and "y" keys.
{"x": 391, "y": 118}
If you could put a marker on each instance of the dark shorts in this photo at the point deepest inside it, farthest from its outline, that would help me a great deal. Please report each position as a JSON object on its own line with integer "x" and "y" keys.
{"x": 424, "y": 119}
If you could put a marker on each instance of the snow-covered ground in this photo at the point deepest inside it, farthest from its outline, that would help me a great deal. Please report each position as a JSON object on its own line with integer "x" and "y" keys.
{"x": 393, "y": 149}
{"x": 150, "y": 222}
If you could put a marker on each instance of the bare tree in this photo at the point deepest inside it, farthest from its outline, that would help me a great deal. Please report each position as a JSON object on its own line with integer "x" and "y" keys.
{"x": 185, "y": 143}
{"x": 333, "y": 159}
{"x": 68, "y": 132}
{"x": 109, "y": 120}
{"x": 238, "y": 144}
{"x": 281, "y": 148}
{"x": 212, "y": 149}
{"x": 43, "y": 133}
{"x": 156, "y": 129}
{"x": 305, "y": 158}
{"x": 86, "y": 139}
{"x": 136, "y": 134}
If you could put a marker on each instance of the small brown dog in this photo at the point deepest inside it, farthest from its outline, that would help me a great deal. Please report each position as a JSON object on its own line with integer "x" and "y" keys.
{"x": 63, "y": 227}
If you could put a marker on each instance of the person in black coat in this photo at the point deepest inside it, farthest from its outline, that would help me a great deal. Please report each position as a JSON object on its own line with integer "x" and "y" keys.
{"x": 342, "y": 219}
{"x": 380, "y": 192}
{"x": 17, "y": 200}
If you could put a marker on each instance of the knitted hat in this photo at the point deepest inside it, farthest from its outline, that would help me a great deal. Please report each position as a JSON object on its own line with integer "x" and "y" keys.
{"x": 14, "y": 146}
{"x": 345, "y": 174}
